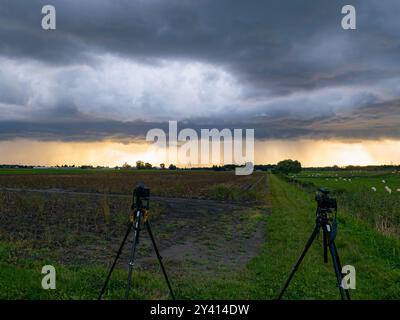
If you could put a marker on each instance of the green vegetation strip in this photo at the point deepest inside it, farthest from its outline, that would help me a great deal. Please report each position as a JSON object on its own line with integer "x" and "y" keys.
{"x": 375, "y": 257}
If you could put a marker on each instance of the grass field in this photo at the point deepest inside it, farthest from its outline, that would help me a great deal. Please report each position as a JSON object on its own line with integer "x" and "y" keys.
{"x": 248, "y": 249}
{"x": 371, "y": 196}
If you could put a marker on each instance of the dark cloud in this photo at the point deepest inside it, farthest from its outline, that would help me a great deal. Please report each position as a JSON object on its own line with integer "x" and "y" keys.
{"x": 376, "y": 121}
{"x": 84, "y": 130}
{"x": 284, "y": 54}
{"x": 280, "y": 45}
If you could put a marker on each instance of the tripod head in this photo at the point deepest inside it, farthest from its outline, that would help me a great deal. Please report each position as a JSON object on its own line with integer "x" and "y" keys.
{"x": 141, "y": 197}
{"x": 326, "y": 203}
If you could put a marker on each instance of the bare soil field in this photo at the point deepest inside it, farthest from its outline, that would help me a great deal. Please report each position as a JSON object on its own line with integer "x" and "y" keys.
{"x": 72, "y": 219}
{"x": 185, "y": 184}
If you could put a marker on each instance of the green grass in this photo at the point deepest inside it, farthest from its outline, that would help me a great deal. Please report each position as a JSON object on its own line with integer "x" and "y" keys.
{"x": 375, "y": 257}
{"x": 354, "y": 181}
{"x": 379, "y": 208}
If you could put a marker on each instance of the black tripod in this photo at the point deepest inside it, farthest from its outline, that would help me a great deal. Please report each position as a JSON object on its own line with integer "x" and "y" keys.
{"x": 329, "y": 234}
{"x": 139, "y": 219}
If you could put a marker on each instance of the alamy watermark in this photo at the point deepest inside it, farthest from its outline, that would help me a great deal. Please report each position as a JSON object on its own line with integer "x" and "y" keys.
{"x": 187, "y": 148}
{"x": 49, "y": 19}
{"x": 349, "y": 280}
{"x": 348, "y": 22}
{"x": 49, "y": 280}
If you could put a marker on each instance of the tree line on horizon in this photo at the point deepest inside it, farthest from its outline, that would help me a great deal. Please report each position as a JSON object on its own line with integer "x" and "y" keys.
{"x": 284, "y": 166}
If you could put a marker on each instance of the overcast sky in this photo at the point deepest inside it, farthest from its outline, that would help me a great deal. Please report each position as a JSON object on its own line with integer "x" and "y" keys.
{"x": 115, "y": 68}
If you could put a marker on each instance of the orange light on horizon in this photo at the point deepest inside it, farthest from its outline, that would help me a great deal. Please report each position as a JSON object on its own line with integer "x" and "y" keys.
{"x": 108, "y": 153}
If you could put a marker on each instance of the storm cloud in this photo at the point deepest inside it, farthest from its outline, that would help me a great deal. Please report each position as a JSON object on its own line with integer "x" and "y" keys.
{"x": 114, "y": 69}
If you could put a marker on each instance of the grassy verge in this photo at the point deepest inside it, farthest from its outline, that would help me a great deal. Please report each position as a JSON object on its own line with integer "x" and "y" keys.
{"x": 375, "y": 257}
{"x": 379, "y": 207}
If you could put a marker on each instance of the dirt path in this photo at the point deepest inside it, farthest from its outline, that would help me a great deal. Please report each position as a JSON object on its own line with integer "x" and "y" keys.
{"x": 209, "y": 234}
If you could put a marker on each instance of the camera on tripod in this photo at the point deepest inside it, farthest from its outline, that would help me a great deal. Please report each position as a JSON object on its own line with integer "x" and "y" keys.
{"x": 325, "y": 201}
{"x": 328, "y": 225}
{"x": 141, "y": 197}
{"x": 138, "y": 220}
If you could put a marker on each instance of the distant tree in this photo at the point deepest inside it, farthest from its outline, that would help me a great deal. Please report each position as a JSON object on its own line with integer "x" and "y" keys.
{"x": 172, "y": 167}
{"x": 162, "y": 166}
{"x": 288, "y": 166}
{"x": 86, "y": 167}
{"x": 264, "y": 167}
{"x": 126, "y": 166}
{"x": 140, "y": 164}
{"x": 218, "y": 168}
{"x": 148, "y": 165}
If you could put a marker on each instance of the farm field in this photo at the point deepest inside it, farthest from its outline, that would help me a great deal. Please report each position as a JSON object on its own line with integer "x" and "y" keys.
{"x": 371, "y": 196}
{"x": 187, "y": 184}
{"x": 205, "y": 222}
{"x": 228, "y": 238}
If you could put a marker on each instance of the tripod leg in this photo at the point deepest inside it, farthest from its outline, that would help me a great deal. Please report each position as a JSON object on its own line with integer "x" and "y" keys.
{"x": 340, "y": 268}
{"x": 325, "y": 236}
{"x": 159, "y": 259}
{"x": 338, "y": 271}
{"x": 133, "y": 252}
{"x": 296, "y": 266}
{"x": 115, "y": 261}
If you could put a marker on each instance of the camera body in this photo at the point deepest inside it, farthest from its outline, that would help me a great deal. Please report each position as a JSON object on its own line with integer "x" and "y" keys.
{"x": 142, "y": 192}
{"x": 141, "y": 197}
{"x": 324, "y": 200}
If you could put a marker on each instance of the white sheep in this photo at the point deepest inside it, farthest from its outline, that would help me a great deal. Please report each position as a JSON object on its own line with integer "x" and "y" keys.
{"x": 388, "y": 189}
{"x": 373, "y": 189}
{"x": 383, "y": 181}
